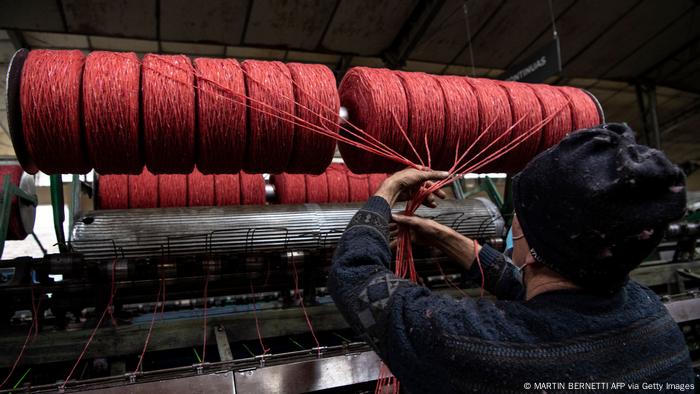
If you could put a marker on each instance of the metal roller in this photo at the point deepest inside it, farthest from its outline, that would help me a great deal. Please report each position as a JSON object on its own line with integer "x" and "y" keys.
{"x": 146, "y": 233}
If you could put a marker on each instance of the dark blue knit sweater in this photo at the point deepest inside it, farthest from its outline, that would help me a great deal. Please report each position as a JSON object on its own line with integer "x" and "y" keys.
{"x": 436, "y": 343}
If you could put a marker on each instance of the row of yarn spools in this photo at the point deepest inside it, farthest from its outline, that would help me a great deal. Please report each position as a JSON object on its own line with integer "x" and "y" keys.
{"x": 146, "y": 190}
{"x": 115, "y": 112}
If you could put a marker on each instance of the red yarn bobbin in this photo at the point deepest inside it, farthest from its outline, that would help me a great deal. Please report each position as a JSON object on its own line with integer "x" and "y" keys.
{"x": 172, "y": 190}
{"x": 168, "y": 114}
{"x": 270, "y": 138}
{"x": 337, "y": 181}
{"x": 113, "y": 192}
{"x": 426, "y": 118}
{"x": 252, "y": 189}
{"x": 584, "y": 111}
{"x": 227, "y": 189}
{"x": 200, "y": 189}
{"x": 375, "y": 180}
{"x": 317, "y": 102}
{"x": 461, "y": 118}
{"x": 111, "y": 112}
{"x": 554, "y": 103}
{"x": 15, "y": 229}
{"x": 375, "y": 100}
{"x": 316, "y": 188}
{"x": 358, "y": 187}
{"x": 524, "y": 105}
{"x": 221, "y": 115}
{"x": 494, "y": 111}
{"x": 143, "y": 190}
{"x": 50, "y": 103}
{"x": 290, "y": 188}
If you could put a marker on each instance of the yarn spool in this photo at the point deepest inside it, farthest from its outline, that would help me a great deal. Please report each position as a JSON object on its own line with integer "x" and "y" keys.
{"x": 555, "y": 107}
{"x": 337, "y": 180}
{"x": 143, "y": 190}
{"x": 375, "y": 180}
{"x": 525, "y": 108}
{"x": 200, "y": 189}
{"x": 316, "y": 188}
{"x": 426, "y": 118}
{"x": 111, "y": 112}
{"x": 227, "y": 190}
{"x": 461, "y": 118}
{"x": 271, "y": 127}
{"x": 375, "y": 100}
{"x": 113, "y": 192}
{"x": 19, "y": 225}
{"x": 316, "y": 102}
{"x": 221, "y": 111}
{"x": 168, "y": 114}
{"x": 50, "y": 105}
{"x": 584, "y": 111}
{"x": 290, "y": 188}
{"x": 252, "y": 189}
{"x": 172, "y": 190}
{"x": 358, "y": 187}
{"x": 495, "y": 118}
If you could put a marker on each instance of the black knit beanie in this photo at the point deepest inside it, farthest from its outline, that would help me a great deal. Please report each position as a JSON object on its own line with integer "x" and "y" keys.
{"x": 595, "y": 205}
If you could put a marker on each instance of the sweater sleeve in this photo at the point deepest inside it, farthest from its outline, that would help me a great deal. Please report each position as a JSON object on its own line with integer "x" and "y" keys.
{"x": 403, "y": 322}
{"x": 501, "y": 278}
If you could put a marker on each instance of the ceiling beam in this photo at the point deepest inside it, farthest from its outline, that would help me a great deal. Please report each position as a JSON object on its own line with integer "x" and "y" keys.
{"x": 688, "y": 114}
{"x": 411, "y": 33}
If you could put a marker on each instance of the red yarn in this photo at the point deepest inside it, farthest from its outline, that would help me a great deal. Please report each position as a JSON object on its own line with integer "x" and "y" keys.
{"x": 50, "y": 104}
{"x": 375, "y": 180}
{"x": 111, "y": 112}
{"x": 554, "y": 107}
{"x": 461, "y": 118}
{"x": 584, "y": 111}
{"x": 376, "y": 101}
{"x": 252, "y": 189}
{"x": 358, "y": 187}
{"x": 527, "y": 110}
{"x": 168, "y": 114}
{"x": 270, "y": 139}
{"x": 143, "y": 190}
{"x": 426, "y": 118}
{"x": 172, "y": 190}
{"x": 316, "y": 101}
{"x": 316, "y": 188}
{"x": 113, "y": 192}
{"x": 15, "y": 229}
{"x": 337, "y": 181}
{"x": 227, "y": 189}
{"x": 495, "y": 117}
{"x": 221, "y": 115}
{"x": 200, "y": 189}
{"x": 290, "y": 188}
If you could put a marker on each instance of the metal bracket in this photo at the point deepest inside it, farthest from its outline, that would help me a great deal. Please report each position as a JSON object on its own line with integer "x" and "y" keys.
{"x": 9, "y": 190}
{"x": 222, "y": 344}
{"x": 59, "y": 216}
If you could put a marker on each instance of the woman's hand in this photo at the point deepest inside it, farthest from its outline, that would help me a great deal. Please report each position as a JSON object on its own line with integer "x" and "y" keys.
{"x": 404, "y": 184}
